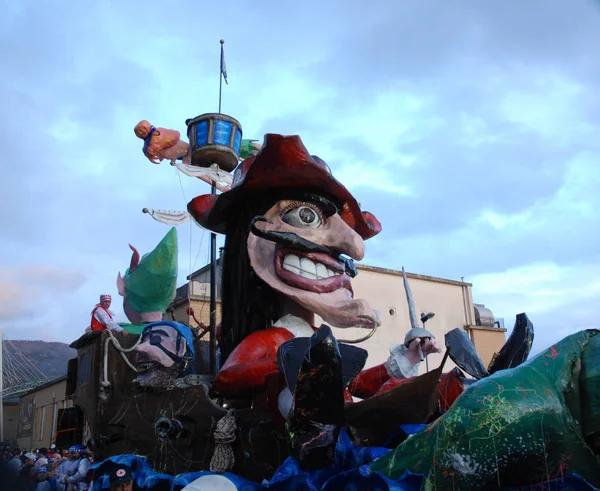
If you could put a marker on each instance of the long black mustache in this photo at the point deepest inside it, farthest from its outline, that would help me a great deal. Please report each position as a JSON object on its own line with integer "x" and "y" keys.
{"x": 294, "y": 241}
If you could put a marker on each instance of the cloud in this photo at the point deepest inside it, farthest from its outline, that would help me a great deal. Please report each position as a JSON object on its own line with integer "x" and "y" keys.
{"x": 558, "y": 300}
{"x": 13, "y": 301}
{"x": 417, "y": 41}
{"x": 470, "y": 129}
{"x": 27, "y": 290}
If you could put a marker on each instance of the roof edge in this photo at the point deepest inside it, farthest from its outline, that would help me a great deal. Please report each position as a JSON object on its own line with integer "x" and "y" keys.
{"x": 415, "y": 276}
{"x": 43, "y": 386}
{"x": 366, "y": 267}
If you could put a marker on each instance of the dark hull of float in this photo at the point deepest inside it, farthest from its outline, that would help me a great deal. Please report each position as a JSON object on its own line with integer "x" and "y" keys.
{"x": 121, "y": 418}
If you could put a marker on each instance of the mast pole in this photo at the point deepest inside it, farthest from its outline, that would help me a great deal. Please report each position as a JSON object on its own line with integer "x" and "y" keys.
{"x": 213, "y": 255}
{"x": 221, "y": 74}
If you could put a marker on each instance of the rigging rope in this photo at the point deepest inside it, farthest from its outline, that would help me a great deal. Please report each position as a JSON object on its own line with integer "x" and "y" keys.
{"x": 223, "y": 458}
{"x": 121, "y": 350}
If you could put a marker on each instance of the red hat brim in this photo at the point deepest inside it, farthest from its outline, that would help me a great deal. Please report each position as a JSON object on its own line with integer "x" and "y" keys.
{"x": 283, "y": 162}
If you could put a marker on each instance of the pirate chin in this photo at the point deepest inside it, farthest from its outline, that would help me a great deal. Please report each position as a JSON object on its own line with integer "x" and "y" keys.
{"x": 165, "y": 353}
{"x": 297, "y": 248}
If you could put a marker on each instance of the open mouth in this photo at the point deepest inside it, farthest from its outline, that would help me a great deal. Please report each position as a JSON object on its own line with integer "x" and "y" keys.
{"x": 145, "y": 366}
{"x": 314, "y": 272}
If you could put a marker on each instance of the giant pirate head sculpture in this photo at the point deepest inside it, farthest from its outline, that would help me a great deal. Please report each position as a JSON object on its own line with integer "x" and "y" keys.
{"x": 166, "y": 352}
{"x": 292, "y": 233}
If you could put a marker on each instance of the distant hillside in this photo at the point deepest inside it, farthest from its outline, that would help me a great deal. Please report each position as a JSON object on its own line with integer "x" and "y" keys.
{"x": 50, "y": 358}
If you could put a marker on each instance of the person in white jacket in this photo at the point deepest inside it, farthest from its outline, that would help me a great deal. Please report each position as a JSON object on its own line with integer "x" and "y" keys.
{"x": 77, "y": 478}
{"x": 64, "y": 469}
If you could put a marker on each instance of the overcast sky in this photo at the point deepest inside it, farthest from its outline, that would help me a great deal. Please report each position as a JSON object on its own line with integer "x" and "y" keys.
{"x": 470, "y": 128}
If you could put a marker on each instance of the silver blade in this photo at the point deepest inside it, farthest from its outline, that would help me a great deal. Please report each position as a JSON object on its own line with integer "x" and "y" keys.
{"x": 414, "y": 321}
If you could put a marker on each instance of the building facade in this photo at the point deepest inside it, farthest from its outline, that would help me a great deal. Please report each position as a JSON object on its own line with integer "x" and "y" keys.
{"x": 195, "y": 294}
{"x": 38, "y": 414}
{"x": 451, "y": 301}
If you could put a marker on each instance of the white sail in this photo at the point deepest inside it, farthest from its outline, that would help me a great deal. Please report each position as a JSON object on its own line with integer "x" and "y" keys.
{"x": 213, "y": 172}
{"x": 173, "y": 218}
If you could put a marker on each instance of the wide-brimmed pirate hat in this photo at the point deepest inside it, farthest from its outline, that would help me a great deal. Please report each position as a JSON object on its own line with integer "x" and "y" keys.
{"x": 283, "y": 162}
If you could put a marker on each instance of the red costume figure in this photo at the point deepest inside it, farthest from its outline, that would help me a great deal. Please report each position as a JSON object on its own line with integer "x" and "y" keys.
{"x": 102, "y": 318}
{"x": 290, "y": 228}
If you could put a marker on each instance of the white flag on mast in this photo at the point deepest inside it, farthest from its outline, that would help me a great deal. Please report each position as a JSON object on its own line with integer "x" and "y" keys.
{"x": 223, "y": 67}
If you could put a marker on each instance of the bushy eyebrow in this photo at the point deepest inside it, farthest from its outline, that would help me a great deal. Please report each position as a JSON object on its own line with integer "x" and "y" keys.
{"x": 326, "y": 206}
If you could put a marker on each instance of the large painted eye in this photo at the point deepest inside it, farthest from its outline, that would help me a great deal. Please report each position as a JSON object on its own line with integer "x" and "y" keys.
{"x": 303, "y": 216}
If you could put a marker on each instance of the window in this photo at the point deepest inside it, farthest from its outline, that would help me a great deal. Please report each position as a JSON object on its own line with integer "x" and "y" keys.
{"x": 85, "y": 366}
{"x": 42, "y": 423}
{"x": 54, "y": 417}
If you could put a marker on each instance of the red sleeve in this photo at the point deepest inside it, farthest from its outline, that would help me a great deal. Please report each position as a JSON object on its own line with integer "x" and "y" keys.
{"x": 248, "y": 365}
{"x": 368, "y": 382}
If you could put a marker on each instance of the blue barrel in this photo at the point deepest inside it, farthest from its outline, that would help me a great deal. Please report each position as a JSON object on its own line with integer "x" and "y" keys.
{"x": 215, "y": 139}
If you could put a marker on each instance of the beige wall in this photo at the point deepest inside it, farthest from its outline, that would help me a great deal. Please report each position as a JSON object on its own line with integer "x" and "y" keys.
{"x": 451, "y": 301}
{"x": 201, "y": 308}
{"x": 487, "y": 341}
{"x": 48, "y": 400}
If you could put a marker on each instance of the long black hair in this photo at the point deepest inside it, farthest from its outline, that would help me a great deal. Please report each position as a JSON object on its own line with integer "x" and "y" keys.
{"x": 248, "y": 303}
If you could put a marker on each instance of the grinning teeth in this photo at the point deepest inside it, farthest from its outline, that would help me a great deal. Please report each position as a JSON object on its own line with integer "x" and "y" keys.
{"x": 309, "y": 269}
{"x": 292, "y": 261}
{"x": 306, "y": 268}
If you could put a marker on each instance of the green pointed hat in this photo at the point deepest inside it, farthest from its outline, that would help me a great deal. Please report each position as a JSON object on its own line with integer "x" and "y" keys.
{"x": 149, "y": 284}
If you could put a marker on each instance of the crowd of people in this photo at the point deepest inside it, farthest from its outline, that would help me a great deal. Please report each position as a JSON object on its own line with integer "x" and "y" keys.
{"x": 56, "y": 470}
{"x": 49, "y": 469}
